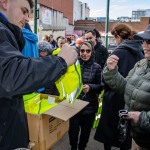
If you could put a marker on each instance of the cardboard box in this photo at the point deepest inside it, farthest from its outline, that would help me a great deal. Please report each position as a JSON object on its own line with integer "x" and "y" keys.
{"x": 47, "y": 129}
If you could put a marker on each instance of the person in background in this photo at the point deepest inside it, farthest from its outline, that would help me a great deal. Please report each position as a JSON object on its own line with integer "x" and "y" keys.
{"x": 100, "y": 52}
{"x": 129, "y": 52}
{"x": 60, "y": 42}
{"x": 20, "y": 75}
{"x": 81, "y": 123}
{"x": 68, "y": 40}
{"x": 45, "y": 38}
{"x": 98, "y": 36}
{"x": 79, "y": 41}
{"x": 73, "y": 40}
{"x": 136, "y": 90}
{"x": 53, "y": 42}
{"x": 30, "y": 49}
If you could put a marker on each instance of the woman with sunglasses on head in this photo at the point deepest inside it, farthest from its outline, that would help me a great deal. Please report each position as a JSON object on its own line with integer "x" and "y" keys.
{"x": 129, "y": 51}
{"x": 91, "y": 77}
{"x": 136, "y": 90}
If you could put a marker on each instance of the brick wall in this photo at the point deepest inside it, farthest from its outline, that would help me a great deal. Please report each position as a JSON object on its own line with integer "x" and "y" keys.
{"x": 100, "y": 26}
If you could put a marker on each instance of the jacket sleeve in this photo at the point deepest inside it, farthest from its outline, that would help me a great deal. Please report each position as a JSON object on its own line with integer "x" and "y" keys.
{"x": 20, "y": 75}
{"x": 115, "y": 80}
{"x": 144, "y": 120}
{"x": 96, "y": 87}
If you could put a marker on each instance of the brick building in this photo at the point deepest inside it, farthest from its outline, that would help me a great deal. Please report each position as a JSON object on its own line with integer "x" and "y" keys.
{"x": 100, "y": 26}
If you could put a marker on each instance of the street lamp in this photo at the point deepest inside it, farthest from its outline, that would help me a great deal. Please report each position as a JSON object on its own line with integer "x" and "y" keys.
{"x": 107, "y": 24}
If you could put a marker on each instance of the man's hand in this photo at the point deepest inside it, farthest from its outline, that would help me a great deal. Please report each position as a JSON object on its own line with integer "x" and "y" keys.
{"x": 112, "y": 62}
{"x": 86, "y": 88}
{"x": 69, "y": 54}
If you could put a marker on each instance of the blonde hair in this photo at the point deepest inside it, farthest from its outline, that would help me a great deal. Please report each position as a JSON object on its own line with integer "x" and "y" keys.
{"x": 88, "y": 44}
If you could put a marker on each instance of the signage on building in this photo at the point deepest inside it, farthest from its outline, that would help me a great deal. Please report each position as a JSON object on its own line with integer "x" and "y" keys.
{"x": 46, "y": 16}
{"x": 75, "y": 32}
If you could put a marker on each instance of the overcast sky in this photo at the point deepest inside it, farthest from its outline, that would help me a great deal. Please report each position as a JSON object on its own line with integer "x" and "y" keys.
{"x": 118, "y": 8}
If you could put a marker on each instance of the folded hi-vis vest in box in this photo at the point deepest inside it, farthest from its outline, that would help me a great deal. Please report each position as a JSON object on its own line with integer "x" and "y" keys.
{"x": 70, "y": 84}
{"x": 35, "y": 105}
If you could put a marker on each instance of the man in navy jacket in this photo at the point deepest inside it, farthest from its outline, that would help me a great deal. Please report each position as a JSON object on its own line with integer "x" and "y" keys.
{"x": 20, "y": 75}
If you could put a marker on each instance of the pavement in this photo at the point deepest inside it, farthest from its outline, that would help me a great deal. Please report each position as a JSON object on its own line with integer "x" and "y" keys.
{"x": 63, "y": 144}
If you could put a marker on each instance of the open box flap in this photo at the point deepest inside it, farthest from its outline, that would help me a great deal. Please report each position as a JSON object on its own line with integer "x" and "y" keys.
{"x": 66, "y": 110}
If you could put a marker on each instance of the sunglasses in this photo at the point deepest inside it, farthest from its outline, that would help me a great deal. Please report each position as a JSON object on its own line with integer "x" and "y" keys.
{"x": 85, "y": 50}
{"x": 147, "y": 41}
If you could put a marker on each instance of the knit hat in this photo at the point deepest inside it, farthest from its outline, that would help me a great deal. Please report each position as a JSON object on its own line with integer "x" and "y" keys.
{"x": 143, "y": 35}
{"x": 44, "y": 46}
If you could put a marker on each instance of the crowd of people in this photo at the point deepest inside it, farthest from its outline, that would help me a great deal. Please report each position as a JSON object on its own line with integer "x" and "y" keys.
{"x": 124, "y": 77}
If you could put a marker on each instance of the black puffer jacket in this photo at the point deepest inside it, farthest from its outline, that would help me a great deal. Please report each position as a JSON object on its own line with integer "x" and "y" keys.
{"x": 18, "y": 76}
{"x": 91, "y": 75}
{"x": 100, "y": 54}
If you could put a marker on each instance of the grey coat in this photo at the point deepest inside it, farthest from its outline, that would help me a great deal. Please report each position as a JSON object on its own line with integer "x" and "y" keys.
{"x": 136, "y": 89}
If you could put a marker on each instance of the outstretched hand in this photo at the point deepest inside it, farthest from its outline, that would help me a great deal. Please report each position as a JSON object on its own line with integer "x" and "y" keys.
{"x": 112, "y": 62}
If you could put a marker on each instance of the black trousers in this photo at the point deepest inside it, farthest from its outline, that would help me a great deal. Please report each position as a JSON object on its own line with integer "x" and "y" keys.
{"x": 80, "y": 123}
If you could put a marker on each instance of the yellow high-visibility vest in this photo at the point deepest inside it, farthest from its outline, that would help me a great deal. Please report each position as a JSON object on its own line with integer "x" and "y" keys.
{"x": 35, "y": 105}
{"x": 70, "y": 84}
{"x": 56, "y": 51}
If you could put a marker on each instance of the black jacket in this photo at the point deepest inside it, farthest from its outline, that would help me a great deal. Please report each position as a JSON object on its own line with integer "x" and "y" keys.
{"x": 129, "y": 52}
{"x": 100, "y": 54}
{"x": 18, "y": 76}
{"x": 91, "y": 75}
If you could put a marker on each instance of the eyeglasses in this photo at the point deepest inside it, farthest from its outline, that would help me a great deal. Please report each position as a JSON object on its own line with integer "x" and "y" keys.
{"x": 85, "y": 50}
{"x": 147, "y": 41}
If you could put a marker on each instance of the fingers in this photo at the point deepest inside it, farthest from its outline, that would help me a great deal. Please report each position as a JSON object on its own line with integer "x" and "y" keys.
{"x": 113, "y": 59}
{"x": 133, "y": 116}
{"x": 73, "y": 47}
{"x": 85, "y": 88}
{"x": 68, "y": 47}
{"x": 69, "y": 54}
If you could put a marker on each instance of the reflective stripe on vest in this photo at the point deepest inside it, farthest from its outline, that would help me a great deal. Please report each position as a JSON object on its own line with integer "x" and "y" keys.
{"x": 70, "y": 84}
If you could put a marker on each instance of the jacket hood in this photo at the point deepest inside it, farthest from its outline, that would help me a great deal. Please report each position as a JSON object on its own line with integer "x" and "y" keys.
{"x": 134, "y": 46}
{"x": 29, "y": 35}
